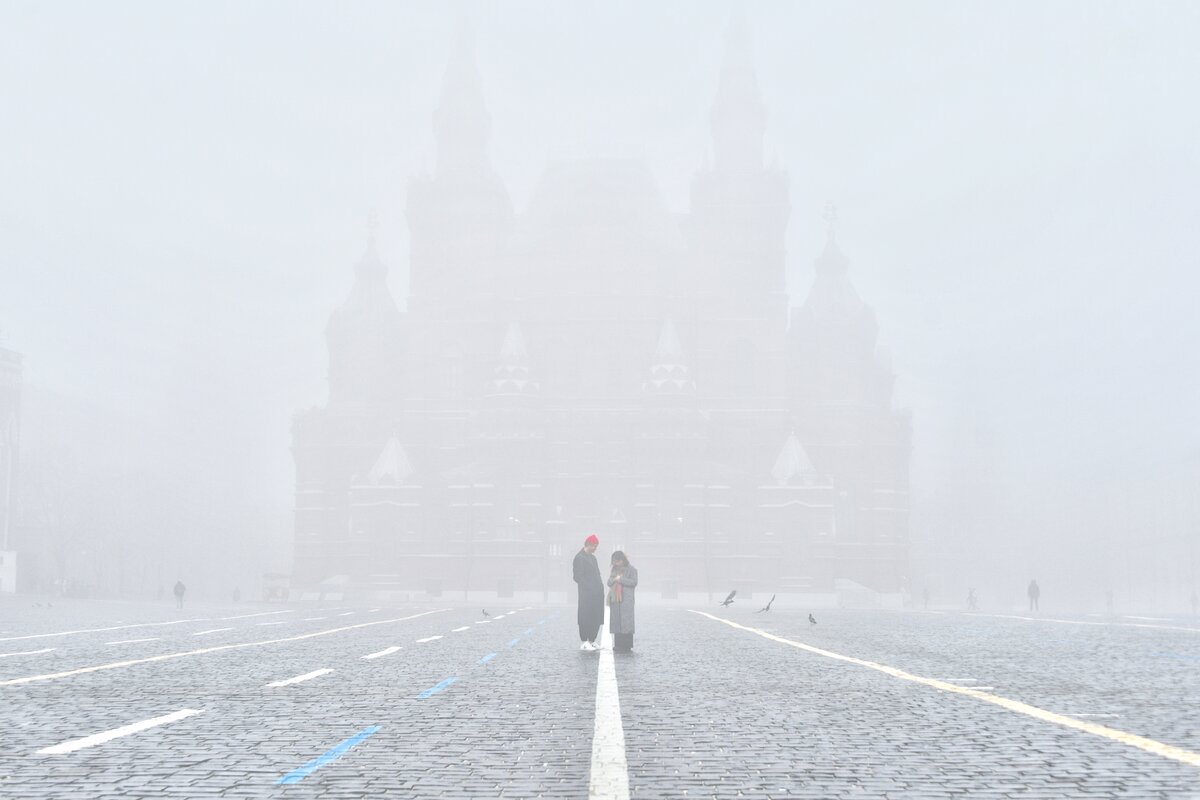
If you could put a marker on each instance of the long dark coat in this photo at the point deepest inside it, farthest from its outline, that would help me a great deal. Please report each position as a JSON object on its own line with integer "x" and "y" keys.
{"x": 591, "y": 589}
{"x": 621, "y": 614}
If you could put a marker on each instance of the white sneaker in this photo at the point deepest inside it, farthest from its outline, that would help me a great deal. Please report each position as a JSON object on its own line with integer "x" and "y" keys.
{"x": 584, "y": 646}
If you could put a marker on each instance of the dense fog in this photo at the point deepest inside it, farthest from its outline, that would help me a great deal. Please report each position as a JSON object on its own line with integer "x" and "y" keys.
{"x": 186, "y": 190}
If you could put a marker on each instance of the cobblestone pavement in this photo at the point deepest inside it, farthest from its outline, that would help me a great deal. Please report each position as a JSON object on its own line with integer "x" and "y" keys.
{"x": 505, "y": 706}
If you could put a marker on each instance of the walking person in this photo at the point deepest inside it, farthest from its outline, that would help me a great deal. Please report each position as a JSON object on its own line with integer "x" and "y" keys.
{"x": 586, "y": 572}
{"x": 622, "y": 581}
{"x": 179, "y": 590}
{"x": 1034, "y": 593}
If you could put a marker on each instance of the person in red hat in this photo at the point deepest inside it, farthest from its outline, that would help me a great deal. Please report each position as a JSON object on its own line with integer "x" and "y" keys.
{"x": 591, "y": 593}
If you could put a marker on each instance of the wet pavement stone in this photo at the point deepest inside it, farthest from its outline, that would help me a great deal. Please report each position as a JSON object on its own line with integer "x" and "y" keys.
{"x": 708, "y": 711}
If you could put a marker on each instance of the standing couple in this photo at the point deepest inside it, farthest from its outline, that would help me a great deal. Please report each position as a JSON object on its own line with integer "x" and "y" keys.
{"x": 622, "y": 582}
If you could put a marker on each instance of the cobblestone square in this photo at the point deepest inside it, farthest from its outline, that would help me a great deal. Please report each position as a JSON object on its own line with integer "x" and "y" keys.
{"x": 112, "y": 700}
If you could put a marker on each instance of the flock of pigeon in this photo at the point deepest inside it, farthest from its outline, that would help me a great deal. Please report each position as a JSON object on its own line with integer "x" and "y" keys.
{"x": 728, "y": 601}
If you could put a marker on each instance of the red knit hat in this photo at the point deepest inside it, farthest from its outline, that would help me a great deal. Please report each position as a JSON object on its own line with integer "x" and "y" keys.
{"x": 592, "y": 539}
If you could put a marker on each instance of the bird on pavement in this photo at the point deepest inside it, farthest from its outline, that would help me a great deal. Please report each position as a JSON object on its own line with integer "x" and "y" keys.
{"x": 812, "y": 619}
{"x": 729, "y": 599}
{"x": 485, "y": 613}
{"x": 767, "y": 607}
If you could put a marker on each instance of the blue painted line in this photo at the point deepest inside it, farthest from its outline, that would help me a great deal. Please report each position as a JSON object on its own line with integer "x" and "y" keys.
{"x": 434, "y": 690}
{"x": 528, "y": 631}
{"x": 334, "y": 753}
{"x": 487, "y": 658}
{"x": 541, "y": 622}
{"x": 513, "y": 642}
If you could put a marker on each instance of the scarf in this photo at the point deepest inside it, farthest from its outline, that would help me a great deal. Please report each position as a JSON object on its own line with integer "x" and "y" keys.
{"x": 614, "y": 594}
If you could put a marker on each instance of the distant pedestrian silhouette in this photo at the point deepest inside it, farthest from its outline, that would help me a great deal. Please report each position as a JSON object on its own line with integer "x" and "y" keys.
{"x": 1034, "y": 593}
{"x": 179, "y": 590}
{"x": 972, "y": 600}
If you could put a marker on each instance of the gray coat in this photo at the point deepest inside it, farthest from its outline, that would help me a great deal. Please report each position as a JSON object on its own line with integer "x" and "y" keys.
{"x": 621, "y": 614}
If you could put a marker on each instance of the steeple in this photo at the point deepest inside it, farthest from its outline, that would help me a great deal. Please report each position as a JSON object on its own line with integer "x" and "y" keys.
{"x": 461, "y": 123}
{"x": 739, "y": 117}
{"x": 512, "y": 376}
{"x": 792, "y": 463}
{"x": 392, "y": 467}
{"x": 669, "y": 375}
{"x": 364, "y": 335}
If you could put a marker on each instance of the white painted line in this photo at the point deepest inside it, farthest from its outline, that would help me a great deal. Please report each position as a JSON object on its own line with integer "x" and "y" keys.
{"x": 959, "y": 680}
{"x": 1133, "y": 740}
{"x": 344, "y": 614}
{"x": 1098, "y": 716}
{"x": 135, "y": 641}
{"x": 312, "y": 619}
{"x": 610, "y": 774}
{"x": 1087, "y": 622}
{"x": 219, "y": 648}
{"x": 1149, "y": 619}
{"x": 385, "y": 652}
{"x": 308, "y": 676}
{"x": 428, "y": 639}
{"x": 482, "y": 622}
{"x": 116, "y": 733}
{"x": 27, "y": 652}
{"x": 463, "y": 628}
{"x": 211, "y": 630}
{"x": 372, "y": 610}
{"x": 140, "y": 625}
{"x": 258, "y": 614}
{"x": 281, "y": 622}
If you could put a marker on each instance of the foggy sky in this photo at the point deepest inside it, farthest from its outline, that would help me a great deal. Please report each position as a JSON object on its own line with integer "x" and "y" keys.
{"x": 184, "y": 189}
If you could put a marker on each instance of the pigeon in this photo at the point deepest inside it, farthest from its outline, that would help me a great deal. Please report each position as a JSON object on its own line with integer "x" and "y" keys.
{"x": 812, "y": 619}
{"x": 767, "y": 607}
{"x": 485, "y": 613}
{"x": 729, "y": 599}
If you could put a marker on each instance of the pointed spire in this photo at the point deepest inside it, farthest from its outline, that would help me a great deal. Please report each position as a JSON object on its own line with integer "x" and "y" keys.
{"x": 512, "y": 375}
{"x": 461, "y": 123}
{"x": 831, "y": 261}
{"x": 392, "y": 467}
{"x": 513, "y": 349}
{"x": 792, "y": 462}
{"x": 669, "y": 375}
{"x": 739, "y": 117}
{"x": 668, "y": 343}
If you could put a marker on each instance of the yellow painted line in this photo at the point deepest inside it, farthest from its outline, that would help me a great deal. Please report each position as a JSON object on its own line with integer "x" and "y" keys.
{"x": 168, "y": 656}
{"x": 1133, "y": 740}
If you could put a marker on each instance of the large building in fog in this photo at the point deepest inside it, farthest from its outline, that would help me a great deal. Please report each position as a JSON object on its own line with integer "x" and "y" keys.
{"x": 10, "y": 429}
{"x": 602, "y": 364}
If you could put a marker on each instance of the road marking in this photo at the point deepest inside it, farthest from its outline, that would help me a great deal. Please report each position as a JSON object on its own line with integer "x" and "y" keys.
{"x": 463, "y": 628}
{"x": 332, "y": 754}
{"x": 211, "y": 630}
{"x": 372, "y": 610}
{"x": 312, "y": 619}
{"x": 27, "y": 652}
{"x": 219, "y": 648}
{"x": 1103, "y": 716}
{"x": 1087, "y": 622}
{"x": 138, "y": 625}
{"x": 435, "y": 689}
{"x": 610, "y": 774}
{"x": 487, "y": 658}
{"x": 134, "y": 641}
{"x": 257, "y": 614}
{"x": 482, "y": 622}
{"x": 281, "y": 622}
{"x": 1150, "y": 619}
{"x": 513, "y": 642}
{"x": 428, "y": 639}
{"x": 308, "y": 676}
{"x": 116, "y": 733}
{"x": 385, "y": 652}
{"x": 344, "y": 614}
{"x": 1133, "y": 740}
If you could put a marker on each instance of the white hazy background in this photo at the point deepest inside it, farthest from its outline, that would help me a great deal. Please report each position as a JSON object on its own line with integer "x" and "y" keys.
{"x": 184, "y": 188}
